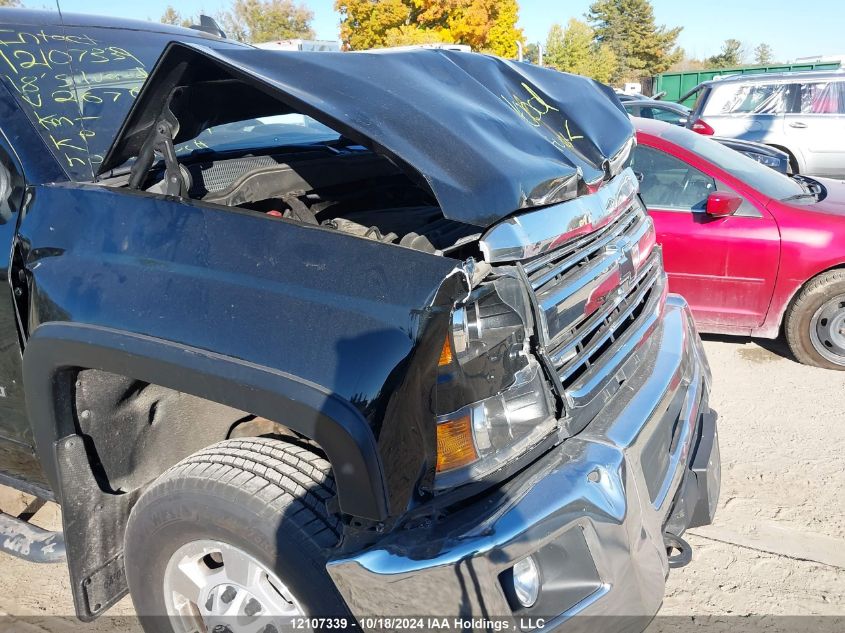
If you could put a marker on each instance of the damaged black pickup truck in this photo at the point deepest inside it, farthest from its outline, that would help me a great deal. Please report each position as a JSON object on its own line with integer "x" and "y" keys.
{"x": 366, "y": 336}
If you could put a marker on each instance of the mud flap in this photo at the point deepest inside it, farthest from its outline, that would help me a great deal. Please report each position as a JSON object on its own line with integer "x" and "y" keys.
{"x": 93, "y": 526}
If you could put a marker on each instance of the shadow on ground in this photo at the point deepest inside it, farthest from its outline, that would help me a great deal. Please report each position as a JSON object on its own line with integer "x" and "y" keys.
{"x": 756, "y": 350}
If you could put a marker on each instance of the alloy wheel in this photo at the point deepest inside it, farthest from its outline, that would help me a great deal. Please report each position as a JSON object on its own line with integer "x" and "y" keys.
{"x": 214, "y": 586}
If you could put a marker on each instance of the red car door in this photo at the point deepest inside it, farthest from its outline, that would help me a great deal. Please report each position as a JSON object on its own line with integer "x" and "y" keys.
{"x": 725, "y": 267}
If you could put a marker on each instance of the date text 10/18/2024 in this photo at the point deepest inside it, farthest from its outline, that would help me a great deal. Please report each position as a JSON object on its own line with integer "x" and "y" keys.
{"x": 432, "y": 623}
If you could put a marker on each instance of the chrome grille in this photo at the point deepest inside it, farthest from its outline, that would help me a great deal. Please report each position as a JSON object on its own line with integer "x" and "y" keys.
{"x": 591, "y": 295}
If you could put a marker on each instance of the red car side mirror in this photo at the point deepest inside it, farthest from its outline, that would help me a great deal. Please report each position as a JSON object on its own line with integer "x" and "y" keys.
{"x": 722, "y": 203}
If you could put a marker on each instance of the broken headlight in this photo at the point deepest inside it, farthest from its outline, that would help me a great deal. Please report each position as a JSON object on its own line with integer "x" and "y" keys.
{"x": 492, "y": 400}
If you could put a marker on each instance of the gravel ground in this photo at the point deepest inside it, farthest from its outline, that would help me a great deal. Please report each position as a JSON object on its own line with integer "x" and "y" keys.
{"x": 778, "y": 545}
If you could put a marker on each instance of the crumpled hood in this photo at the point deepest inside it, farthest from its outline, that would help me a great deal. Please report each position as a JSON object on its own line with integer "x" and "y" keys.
{"x": 488, "y": 136}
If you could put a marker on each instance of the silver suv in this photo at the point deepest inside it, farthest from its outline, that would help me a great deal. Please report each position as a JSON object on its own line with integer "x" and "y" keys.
{"x": 801, "y": 113}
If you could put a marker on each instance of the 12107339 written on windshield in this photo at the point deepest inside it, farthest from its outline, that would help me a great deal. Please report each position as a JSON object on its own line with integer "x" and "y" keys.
{"x": 67, "y": 83}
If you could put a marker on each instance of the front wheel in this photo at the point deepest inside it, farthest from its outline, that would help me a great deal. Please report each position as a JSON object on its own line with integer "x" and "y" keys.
{"x": 815, "y": 322}
{"x": 235, "y": 537}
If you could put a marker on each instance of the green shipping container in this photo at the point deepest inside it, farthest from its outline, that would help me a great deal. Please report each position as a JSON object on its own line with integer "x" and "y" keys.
{"x": 678, "y": 84}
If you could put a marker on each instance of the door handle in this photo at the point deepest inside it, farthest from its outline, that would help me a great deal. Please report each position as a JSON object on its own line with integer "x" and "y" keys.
{"x": 798, "y": 124}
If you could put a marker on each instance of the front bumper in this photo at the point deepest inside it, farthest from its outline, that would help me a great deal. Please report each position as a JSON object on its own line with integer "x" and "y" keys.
{"x": 592, "y": 512}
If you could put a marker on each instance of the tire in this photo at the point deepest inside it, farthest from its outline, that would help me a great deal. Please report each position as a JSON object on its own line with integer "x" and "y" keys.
{"x": 802, "y": 324}
{"x": 258, "y": 496}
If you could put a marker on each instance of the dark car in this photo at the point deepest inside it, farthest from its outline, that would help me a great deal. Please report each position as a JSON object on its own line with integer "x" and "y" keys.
{"x": 666, "y": 111}
{"x": 763, "y": 154}
{"x": 287, "y": 335}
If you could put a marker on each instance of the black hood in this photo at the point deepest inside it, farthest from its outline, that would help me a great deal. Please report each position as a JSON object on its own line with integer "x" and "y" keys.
{"x": 488, "y": 136}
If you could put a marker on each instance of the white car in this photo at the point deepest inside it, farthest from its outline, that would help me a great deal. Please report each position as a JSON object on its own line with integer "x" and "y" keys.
{"x": 800, "y": 113}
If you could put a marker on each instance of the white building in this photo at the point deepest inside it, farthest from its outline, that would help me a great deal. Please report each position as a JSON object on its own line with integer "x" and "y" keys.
{"x": 301, "y": 45}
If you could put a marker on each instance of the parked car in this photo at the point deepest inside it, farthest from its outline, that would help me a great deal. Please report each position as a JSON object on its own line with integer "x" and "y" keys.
{"x": 753, "y": 251}
{"x": 674, "y": 113}
{"x": 286, "y": 334}
{"x": 800, "y": 113}
{"x": 628, "y": 96}
{"x": 678, "y": 114}
{"x": 763, "y": 154}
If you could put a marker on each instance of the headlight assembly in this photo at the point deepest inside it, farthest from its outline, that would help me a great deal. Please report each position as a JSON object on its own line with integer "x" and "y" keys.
{"x": 492, "y": 400}
{"x": 763, "y": 159}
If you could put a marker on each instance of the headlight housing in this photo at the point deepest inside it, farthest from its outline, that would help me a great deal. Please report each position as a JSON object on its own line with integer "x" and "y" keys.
{"x": 764, "y": 159}
{"x": 492, "y": 400}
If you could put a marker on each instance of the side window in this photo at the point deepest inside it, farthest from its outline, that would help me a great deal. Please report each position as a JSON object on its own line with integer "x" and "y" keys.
{"x": 667, "y": 116}
{"x": 752, "y": 98}
{"x": 823, "y": 97}
{"x": 668, "y": 182}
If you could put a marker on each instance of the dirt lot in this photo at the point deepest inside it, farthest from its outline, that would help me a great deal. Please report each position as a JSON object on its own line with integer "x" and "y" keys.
{"x": 778, "y": 545}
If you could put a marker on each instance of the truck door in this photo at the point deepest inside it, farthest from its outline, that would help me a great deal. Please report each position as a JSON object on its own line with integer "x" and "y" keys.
{"x": 17, "y": 459}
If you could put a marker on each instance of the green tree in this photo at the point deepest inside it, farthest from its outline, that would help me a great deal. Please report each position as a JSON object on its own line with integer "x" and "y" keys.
{"x": 729, "y": 57}
{"x": 641, "y": 47}
{"x": 574, "y": 49}
{"x": 485, "y": 25}
{"x": 256, "y": 21}
{"x": 531, "y": 53}
{"x": 764, "y": 55}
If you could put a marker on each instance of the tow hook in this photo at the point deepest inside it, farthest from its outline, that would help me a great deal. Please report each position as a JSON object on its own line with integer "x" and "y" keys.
{"x": 678, "y": 551}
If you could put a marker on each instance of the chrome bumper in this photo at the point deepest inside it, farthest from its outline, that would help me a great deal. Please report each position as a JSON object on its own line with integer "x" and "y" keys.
{"x": 593, "y": 511}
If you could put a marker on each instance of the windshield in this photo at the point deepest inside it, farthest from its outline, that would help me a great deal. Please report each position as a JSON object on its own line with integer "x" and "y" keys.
{"x": 261, "y": 133}
{"x": 77, "y": 83}
{"x": 764, "y": 179}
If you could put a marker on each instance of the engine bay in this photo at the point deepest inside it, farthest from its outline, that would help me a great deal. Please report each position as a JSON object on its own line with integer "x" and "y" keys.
{"x": 343, "y": 187}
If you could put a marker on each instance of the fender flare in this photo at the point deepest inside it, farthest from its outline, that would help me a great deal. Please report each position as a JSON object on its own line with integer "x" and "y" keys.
{"x": 307, "y": 408}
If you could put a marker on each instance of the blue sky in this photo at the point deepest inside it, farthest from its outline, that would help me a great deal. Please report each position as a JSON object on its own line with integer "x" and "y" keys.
{"x": 791, "y": 29}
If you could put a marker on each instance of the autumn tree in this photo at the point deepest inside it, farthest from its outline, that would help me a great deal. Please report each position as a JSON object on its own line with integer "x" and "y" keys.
{"x": 10, "y": 3}
{"x": 574, "y": 50}
{"x": 763, "y": 54}
{"x": 686, "y": 63}
{"x": 172, "y": 16}
{"x": 485, "y": 25}
{"x": 641, "y": 47}
{"x": 256, "y": 21}
{"x": 729, "y": 57}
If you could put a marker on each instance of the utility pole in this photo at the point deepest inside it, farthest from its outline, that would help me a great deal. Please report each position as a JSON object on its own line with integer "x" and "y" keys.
{"x": 539, "y": 54}
{"x": 519, "y": 50}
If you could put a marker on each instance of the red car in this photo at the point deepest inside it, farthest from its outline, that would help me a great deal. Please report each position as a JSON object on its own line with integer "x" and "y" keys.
{"x": 753, "y": 251}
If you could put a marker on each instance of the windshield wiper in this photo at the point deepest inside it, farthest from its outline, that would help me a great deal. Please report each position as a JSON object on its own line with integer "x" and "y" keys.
{"x": 811, "y": 189}
{"x": 800, "y": 196}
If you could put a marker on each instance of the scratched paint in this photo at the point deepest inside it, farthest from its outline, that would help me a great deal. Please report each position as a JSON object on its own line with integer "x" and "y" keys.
{"x": 533, "y": 110}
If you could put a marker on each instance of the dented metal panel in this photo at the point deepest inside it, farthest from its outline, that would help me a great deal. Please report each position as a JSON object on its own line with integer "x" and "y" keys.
{"x": 487, "y": 135}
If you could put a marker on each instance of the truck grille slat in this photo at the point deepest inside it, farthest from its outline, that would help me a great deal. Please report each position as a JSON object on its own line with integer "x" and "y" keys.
{"x": 590, "y": 293}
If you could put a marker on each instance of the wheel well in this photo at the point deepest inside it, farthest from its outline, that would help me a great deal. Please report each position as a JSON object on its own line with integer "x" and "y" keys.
{"x": 167, "y": 378}
{"x": 797, "y": 292}
{"x": 134, "y": 430}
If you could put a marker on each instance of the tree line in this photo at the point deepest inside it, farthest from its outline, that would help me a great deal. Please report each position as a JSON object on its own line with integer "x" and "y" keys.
{"x": 486, "y": 25}
{"x": 616, "y": 41}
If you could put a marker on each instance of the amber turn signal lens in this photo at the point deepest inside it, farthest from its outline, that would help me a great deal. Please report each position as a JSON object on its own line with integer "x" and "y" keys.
{"x": 455, "y": 447}
{"x": 445, "y": 354}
